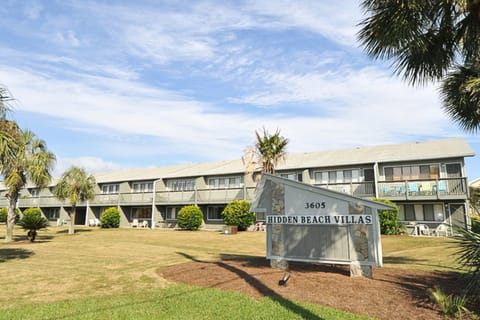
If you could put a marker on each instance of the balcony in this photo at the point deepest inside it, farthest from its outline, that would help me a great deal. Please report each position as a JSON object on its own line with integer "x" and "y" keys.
{"x": 441, "y": 189}
{"x": 429, "y": 189}
{"x": 356, "y": 189}
{"x": 175, "y": 197}
{"x": 106, "y": 199}
{"x": 224, "y": 195}
{"x": 204, "y": 196}
{"x": 32, "y": 202}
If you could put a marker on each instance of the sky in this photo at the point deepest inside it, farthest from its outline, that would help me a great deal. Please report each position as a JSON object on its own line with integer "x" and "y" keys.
{"x": 127, "y": 84}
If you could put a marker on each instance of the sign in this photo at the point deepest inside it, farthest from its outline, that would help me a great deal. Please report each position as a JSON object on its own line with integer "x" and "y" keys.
{"x": 320, "y": 219}
{"x": 313, "y": 224}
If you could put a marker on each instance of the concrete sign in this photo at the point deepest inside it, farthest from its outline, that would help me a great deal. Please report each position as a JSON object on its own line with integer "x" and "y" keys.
{"x": 312, "y": 224}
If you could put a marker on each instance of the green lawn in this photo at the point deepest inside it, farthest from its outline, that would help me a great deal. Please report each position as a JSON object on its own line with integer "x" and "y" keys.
{"x": 112, "y": 274}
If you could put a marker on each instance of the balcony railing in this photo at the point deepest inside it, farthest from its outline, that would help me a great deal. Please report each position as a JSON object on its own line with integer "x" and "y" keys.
{"x": 431, "y": 189}
{"x": 357, "y": 189}
{"x": 427, "y": 189}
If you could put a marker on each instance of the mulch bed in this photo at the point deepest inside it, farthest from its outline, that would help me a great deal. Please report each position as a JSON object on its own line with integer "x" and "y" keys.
{"x": 391, "y": 294}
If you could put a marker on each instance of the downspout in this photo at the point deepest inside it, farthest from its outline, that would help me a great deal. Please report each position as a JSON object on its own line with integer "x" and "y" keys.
{"x": 377, "y": 176}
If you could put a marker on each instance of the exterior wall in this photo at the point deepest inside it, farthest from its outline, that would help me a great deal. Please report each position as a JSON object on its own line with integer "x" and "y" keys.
{"x": 160, "y": 198}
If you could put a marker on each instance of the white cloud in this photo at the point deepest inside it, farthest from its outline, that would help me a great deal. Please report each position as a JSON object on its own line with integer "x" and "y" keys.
{"x": 67, "y": 38}
{"x": 90, "y": 164}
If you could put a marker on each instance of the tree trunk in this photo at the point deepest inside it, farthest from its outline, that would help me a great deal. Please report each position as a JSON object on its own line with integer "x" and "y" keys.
{"x": 12, "y": 204}
{"x": 71, "y": 230}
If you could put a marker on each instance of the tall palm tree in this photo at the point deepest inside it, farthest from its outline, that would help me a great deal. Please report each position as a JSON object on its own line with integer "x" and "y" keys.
{"x": 30, "y": 161}
{"x": 5, "y": 99}
{"x": 429, "y": 41}
{"x": 76, "y": 186}
{"x": 270, "y": 149}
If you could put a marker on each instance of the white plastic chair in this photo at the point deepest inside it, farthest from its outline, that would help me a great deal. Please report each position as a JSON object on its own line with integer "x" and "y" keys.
{"x": 135, "y": 223}
{"x": 442, "y": 229}
{"x": 423, "y": 230}
{"x": 145, "y": 224}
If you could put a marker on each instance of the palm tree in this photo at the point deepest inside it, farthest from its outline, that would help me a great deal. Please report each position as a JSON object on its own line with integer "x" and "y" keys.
{"x": 8, "y": 144}
{"x": 75, "y": 186}
{"x": 5, "y": 99}
{"x": 270, "y": 149}
{"x": 429, "y": 41}
{"x": 28, "y": 161}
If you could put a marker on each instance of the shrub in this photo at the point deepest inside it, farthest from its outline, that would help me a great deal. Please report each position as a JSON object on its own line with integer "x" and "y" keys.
{"x": 190, "y": 218}
{"x": 110, "y": 218}
{"x": 4, "y": 214}
{"x": 451, "y": 305}
{"x": 476, "y": 225}
{"x": 388, "y": 218}
{"x": 32, "y": 221}
{"x": 236, "y": 213}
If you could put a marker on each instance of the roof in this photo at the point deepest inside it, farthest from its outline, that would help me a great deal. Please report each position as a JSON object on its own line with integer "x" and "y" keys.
{"x": 426, "y": 150}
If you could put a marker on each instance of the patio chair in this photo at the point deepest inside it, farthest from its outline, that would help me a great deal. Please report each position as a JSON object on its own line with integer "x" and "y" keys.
{"x": 413, "y": 188}
{"x": 423, "y": 230}
{"x": 91, "y": 222}
{"x": 97, "y": 222}
{"x": 144, "y": 224}
{"x": 442, "y": 229}
{"x": 135, "y": 223}
{"x": 442, "y": 187}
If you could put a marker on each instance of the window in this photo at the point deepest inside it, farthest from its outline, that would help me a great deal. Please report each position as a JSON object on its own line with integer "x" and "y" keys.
{"x": 409, "y": 210}
{"x": 225, "y": 182}
{"x": 295, "y": 176}
{"x": 181, "y": 185}
{"x": 34, "y": 192}
{"x": 411, "y": 172}
{"x": 215, "y": 213}
{"x": 339, "y": 176}
{"x": 141, "y": 213}
{"x": 142, "y": 186}
{"x": 428, "y": 212}
{"x": 172, "y": 213}
{"x": 110, "y": 188}
{"x": 52, "y": 214}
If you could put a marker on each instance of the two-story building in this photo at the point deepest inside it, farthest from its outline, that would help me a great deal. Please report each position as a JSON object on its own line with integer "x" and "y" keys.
{"x": 427, "y": 180}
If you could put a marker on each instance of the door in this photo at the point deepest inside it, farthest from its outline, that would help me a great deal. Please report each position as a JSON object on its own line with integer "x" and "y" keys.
{"x": 454, "y": 174}
{"x": 457, "y": 215}
{"x": 80, "y": 215}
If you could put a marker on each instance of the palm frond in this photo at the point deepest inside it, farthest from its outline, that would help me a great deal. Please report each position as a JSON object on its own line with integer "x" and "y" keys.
{"x": 460, "y": 92}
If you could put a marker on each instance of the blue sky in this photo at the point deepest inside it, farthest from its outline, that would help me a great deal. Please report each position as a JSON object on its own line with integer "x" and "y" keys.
{"x": 118, "y": 84}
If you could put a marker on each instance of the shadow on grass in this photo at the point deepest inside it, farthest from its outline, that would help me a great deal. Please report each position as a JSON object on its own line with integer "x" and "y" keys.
{"x": 419, "y": 262}
{"x": 77, "y": 230}
{"x": 14, "y": 253}
{"x": 259, "y": 286}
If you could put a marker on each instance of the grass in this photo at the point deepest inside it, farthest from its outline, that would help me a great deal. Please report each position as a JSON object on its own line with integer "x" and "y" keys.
{"x": 423, "y": 253}
{"x": 112, "y": 274}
